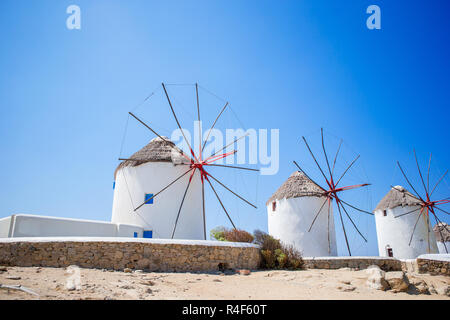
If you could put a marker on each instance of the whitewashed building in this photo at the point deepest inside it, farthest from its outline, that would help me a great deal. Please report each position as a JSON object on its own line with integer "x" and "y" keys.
{"x": 30, "y": 225}
{"x": 395, "y": 227}
{"x": 442, "y": 234}
{"x": 291, "y": 210}
{"x": 137, "y": 181}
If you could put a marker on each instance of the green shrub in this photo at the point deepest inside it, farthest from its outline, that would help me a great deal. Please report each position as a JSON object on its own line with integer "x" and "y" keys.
{"x": 265, "y": 241}
{"x": 218, "y": 233}
{"x": 275, "y": 254}
{"x": 268, "y": 259}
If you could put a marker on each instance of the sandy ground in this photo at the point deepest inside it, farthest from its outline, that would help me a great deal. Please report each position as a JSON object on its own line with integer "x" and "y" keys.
{"x": 50, "y": 284}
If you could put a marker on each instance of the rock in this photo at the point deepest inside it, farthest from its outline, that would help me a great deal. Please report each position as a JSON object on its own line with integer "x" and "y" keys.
{"x": 217, "y": 280}
{"x": 127, "y": 270}
{"x": 148, "y": 283}
{"x": 345, "y": 281}
{"x": 126, "y": 286}
{"x": 70, "y": 287}
{"x": 346, "y": 288}
{"x": 376, "y": 278}
{"x": 432, "y": 290}
{"x": 397, "y": 281}
{"x": 3, "y": 269}
{"x": 419, "y": 286}
{"x": 244, "y": 272}
{"x": 444, "y": 290}
{"x": 13, "y": 278}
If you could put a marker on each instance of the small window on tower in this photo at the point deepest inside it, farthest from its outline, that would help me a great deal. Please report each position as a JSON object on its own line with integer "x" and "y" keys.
{"x": 384, "y": 213}
{"x": 148, "y": 198}
{"x": 274, "y": 206}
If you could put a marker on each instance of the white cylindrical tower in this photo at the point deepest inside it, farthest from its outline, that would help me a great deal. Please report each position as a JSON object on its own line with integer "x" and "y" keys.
{"x": 394, "y": 234}
{"x": 442, "y": 234}
{"x": 292, "y": 209}
{"x": 135, "y": 181}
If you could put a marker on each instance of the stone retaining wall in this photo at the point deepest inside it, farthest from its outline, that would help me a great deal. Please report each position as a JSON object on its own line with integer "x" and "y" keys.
{"x": 166, "y": 255}
{"x": 433, "y": 267}
{"x": 386, "y": 264}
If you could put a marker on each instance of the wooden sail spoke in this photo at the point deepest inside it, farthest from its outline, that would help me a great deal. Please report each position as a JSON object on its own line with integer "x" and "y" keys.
{"x": 409, "y": 212}
{"x": 343, "y": 228}
{"x": 356, "y": 208}
{"x": 224, "y": 148}
{"x": 335, "y": 158}
{"x": 178, "y": 123}
{"x": 227, "y": 166}
{"x": 181, "y": 205}
{"x": 168, "y": 142}
{"x": 220, "y": 201}
{"x": 439, "y": 181}
{"x": 351, "y": 220}
{"x": 307, "y": 175}
{"x": 428, "y": 175}
{"x": 317, "y": 214}
{"x": 415, "y": 225}
{"x": 440, "y": 231}
{"x": 407, "y": 180}
{"x": 326, "y": 157}
{"x": 351, "y": 164}
{"x": 210, "y": 129}
{"x": 420, "y": 173}
{"x": 246, "y": 201}
{"x": 146, "y": 201}
{"x": 312, "y": 154}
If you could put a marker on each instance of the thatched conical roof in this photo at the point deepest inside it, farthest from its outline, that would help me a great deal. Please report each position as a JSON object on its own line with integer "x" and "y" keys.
{"x": 397, "y": 197}
{"x": 442, "y": 232}
{"x": 297, "y": 185}
{"x": 157, "y": 150}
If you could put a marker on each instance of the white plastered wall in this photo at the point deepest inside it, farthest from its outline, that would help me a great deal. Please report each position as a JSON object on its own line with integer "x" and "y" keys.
{"x": 395, "y": 233}
{"x": 27, "y": 225}
{"x": 131, "y": 185}
{"x": 291, "y": 220}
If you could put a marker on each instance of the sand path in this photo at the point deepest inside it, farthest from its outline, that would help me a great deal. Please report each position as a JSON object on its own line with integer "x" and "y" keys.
{"x": 50, "y": 283}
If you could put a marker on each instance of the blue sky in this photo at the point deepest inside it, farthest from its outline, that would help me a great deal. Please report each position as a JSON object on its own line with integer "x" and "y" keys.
{"x": 293, "y": 65}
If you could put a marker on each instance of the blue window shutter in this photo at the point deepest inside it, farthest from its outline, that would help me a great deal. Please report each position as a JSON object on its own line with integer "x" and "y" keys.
{"x": 135, "y": 234}
{"x": 148, "y": 234}
{"x": 114, "y": 185}
{"x": 148, "y": 196}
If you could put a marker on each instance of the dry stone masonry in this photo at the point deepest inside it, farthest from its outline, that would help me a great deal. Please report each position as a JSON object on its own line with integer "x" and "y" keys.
{"x": 118, "y": 255}
{"x": 433, "y": 264}
{"x": 386, "y": 264}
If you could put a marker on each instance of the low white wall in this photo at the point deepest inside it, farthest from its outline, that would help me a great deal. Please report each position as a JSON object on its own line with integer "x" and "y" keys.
{"x": 24, "y": 225}
{"x": 5, "y": 224}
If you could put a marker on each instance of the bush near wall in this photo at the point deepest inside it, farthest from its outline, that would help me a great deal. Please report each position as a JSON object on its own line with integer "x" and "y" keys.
{"x": 277, "y": 255}
{"x": 274, "y": 253}
{"x": 233, "y": 235}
